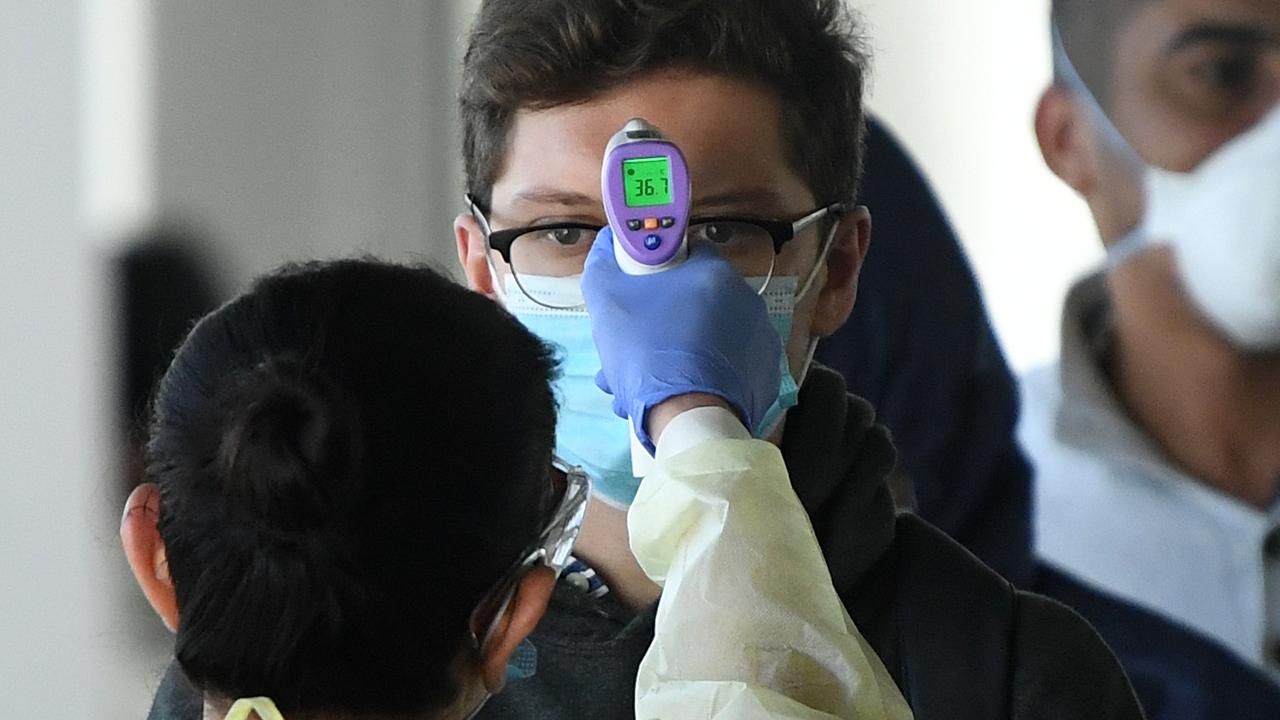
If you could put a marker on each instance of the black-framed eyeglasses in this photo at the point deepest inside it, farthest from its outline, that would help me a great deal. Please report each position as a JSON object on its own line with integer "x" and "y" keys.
{"x": 559, "y": 249}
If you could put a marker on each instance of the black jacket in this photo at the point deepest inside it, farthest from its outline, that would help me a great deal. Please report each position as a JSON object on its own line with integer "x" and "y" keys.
{"x": 957, "y": 638}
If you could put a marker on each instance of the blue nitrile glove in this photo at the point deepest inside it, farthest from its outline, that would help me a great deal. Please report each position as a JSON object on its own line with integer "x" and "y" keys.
{"x": 695, "y": 328}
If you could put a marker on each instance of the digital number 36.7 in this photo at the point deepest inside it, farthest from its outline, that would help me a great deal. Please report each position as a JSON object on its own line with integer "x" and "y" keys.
{"x": 646, "y": 187}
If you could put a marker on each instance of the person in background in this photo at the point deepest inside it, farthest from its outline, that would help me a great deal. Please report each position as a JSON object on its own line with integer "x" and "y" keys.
{"x": 765, "y": 99}
{"x": 164, "y": 286}
{"x": 1156, "y": 436}
{"x": 920, "y": 346}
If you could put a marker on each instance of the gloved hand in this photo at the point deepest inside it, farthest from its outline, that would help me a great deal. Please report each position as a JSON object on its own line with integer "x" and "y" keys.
{"x": 695, "y": 328}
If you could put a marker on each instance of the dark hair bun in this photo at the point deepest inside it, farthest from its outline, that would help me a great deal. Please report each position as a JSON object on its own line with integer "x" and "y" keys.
{"x": 280, "y": 450}
{"x": 329, "y": 521}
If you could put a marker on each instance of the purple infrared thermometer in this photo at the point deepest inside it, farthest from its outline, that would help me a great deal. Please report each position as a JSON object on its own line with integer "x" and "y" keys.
{"x": 646, "y": 190}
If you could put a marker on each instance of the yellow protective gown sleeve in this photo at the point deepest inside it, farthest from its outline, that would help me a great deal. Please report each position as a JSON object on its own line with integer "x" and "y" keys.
{"x": 749, "y": 624}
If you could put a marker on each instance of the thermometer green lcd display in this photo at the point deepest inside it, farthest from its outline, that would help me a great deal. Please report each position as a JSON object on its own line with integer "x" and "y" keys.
{"x": 647, "y": 181}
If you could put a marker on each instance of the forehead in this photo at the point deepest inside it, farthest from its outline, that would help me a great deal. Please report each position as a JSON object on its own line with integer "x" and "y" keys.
{"x": 729, "y": 130}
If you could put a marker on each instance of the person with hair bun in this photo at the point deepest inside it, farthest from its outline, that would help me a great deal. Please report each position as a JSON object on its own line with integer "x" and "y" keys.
{"x": 350, "y": 511}
{"x": 355, "y": 510}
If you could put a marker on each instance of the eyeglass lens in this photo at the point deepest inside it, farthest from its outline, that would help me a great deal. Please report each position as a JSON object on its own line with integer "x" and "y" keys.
{"x": 562, "y": 252}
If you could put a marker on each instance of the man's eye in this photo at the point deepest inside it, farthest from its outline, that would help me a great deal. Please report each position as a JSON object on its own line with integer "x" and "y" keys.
{"x": 719, "y": 233}
{"x": 1224, "y": 81}
{"x": 1237, "y": 75}
{"x": 565, "y": 236}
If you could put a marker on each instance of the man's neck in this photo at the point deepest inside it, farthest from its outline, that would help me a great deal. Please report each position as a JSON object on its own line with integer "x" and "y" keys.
{"x": 1214, "y": 410}
{"x": 604, "y": 545}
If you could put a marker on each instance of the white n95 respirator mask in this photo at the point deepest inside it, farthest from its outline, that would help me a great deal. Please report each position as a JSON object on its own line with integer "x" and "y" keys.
{"x": 1223, "y": 221}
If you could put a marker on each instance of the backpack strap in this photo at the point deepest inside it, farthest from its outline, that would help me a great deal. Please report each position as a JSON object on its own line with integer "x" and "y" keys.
{"x": 955, "y": 633}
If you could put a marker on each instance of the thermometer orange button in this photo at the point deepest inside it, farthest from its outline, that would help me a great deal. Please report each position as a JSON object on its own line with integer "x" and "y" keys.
{"x": 651, "y": 223}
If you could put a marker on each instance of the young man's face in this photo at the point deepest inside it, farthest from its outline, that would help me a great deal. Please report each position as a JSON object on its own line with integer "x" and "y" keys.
{"x": 731, "y": 135}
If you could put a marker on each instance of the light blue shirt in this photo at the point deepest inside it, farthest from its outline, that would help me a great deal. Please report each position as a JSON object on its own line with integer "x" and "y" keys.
{"x": 1112, "y": 509}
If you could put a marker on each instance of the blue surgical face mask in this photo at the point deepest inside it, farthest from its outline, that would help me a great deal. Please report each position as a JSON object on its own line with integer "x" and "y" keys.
{"x": 587, "y": 432}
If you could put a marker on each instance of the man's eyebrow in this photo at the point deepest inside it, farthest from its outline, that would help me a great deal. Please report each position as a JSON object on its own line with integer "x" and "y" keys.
{"x": 555, "y": 196}
{"x": 1223, "y": 34}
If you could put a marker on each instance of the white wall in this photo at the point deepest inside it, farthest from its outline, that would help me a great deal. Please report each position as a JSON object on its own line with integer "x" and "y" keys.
{"x": 291, "y": 130}
{"x": 958, "y": 81}
{"x": 285, "y": 130}
{"x": 57, "y": 650}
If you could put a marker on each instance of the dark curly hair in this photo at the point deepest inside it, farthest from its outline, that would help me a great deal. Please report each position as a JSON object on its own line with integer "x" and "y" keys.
{"x": 547, "y": 53}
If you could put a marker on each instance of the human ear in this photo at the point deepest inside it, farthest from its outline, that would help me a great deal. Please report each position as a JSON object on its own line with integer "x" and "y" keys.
{"x": 144, "y": 549}
{"x": 527, "y": 606}
{"x": 472, "y": 253}
{"x": 1062, "y": 132}
{"x": 839, "y": 289}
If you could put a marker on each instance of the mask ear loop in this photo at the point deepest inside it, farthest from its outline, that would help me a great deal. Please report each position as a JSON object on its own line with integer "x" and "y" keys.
{"x": 1132, "y": 243}
{"x": 817, "y": 265}
{"x": 809, "y": 352}
{"x": 812, "y": 347}
{"x": 500, "y": 289}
